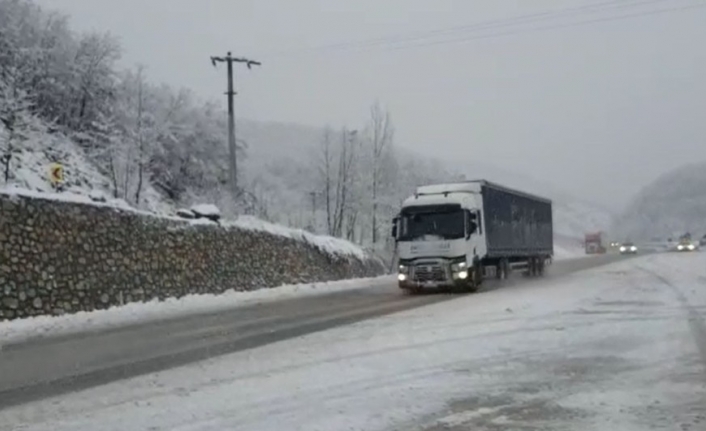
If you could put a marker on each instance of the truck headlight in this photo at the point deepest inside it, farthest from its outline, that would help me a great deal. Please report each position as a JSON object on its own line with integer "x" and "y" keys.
{"x": 403, "y": 269}
{"x": 459, "y": 266}
{"x": 463, "y": 275}
{"x": 401, "y": 277}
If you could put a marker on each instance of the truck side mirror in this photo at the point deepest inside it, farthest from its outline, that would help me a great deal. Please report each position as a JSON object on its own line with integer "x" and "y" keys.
{"x": 472, "y": 228}
{"x": 471, "y": 225}
{"x": 394, "y": 227}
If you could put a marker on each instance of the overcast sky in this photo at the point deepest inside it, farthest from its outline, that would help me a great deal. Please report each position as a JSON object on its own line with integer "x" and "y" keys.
{"x": 599, "y": 108}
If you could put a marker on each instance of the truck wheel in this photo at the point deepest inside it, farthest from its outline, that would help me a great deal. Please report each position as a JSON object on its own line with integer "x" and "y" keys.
{"x": 472, "y": 287}
{"x": 476, "y": 277}
{"x": 412, "y": 291}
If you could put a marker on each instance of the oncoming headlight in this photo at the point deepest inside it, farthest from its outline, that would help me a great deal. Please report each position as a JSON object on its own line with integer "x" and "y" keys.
{"x": 622, "y": 248}
{"x": 680, "y": 247}
{"x": 633, "y": 248}
{"x": 691, "y": 246}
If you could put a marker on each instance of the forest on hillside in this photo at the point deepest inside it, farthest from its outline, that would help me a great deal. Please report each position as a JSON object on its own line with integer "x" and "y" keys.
{"x": 147, "y": 139}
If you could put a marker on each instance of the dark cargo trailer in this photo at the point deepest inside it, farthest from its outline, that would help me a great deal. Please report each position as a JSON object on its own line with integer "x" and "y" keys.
{"x": 516, "y": 223}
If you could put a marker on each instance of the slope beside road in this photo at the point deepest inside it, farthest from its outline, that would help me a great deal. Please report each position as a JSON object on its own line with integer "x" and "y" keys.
{"x": 49, "y": 366}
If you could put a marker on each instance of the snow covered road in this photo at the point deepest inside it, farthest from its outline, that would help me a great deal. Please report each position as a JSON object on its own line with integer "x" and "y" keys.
{"x": 113, "y": 347}
{"x": 621, "y": 347}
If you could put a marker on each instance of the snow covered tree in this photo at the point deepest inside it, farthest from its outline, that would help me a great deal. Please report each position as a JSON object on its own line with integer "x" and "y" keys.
{"x": 93, "y": 80}
{"x": 17, "y": 120}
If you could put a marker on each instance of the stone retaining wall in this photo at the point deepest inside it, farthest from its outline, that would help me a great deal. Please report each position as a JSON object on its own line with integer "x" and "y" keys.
{"x": 63, "y": 257}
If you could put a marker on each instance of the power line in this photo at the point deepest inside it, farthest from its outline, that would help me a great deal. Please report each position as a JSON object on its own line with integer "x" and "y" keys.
{"x": 552, "y": 27}
{"x": 430, "y": 38}
{"x": 496, "y": 23}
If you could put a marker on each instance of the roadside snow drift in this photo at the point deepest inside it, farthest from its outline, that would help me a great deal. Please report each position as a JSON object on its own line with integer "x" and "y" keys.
{"x": 14, "y": 331}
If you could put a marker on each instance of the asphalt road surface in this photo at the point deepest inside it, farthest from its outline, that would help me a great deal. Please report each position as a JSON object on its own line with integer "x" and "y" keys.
{"x": 41, "y": 368}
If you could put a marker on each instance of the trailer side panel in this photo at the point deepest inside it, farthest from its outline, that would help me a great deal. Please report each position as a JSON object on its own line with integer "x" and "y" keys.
{"x": 516, "y": 224}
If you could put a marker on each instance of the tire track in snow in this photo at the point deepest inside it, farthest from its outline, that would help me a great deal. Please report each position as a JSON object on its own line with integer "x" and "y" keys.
{"x": 697, "y": 325}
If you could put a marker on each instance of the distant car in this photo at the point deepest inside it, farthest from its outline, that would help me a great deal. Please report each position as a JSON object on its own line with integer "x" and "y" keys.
{"x": 686, "y": 245}
{"x": 628, "y": 248}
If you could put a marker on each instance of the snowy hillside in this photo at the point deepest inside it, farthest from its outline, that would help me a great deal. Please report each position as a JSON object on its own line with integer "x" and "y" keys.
{"x": 29, "y": 169}
{"x": 673, "y": 204}
{"x": 160, "y": 148}
{"x": 280, "y": 169}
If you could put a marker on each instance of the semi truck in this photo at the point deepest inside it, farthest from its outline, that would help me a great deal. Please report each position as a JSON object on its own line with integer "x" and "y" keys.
{"x": 456, "y": 235}
{"x": 593, "y": 243}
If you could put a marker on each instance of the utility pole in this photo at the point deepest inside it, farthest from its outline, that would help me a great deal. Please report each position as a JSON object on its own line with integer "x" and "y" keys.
{"x": 233, "y": 171}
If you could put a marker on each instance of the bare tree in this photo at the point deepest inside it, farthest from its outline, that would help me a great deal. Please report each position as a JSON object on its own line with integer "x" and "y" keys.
{"x": 381, "y": 134}
{"x": 349, "y": 141}
{"x": 325, "y": 168}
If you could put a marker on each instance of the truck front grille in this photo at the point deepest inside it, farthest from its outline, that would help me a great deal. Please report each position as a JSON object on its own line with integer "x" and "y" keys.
{"x": 429, "y": 272}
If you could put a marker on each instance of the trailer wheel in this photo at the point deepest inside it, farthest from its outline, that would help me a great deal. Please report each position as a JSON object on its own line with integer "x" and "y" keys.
{"x": 541, "y": 262}
{"x": 502, "y": 269}
{"x": 529, "y": 272}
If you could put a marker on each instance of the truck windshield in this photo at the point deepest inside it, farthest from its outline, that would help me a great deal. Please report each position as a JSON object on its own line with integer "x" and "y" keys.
{"x": 444, "y": 224}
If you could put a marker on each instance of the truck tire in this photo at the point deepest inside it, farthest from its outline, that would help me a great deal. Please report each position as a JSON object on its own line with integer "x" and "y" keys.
{"x": 412, "y": 291}
{"x": 471, "y": 287}
{"x": 476, "y": 276}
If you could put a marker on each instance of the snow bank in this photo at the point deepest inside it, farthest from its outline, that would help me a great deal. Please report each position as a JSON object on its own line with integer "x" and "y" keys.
{"x": 326, "y": 243}
{"x": 69, "y": 197}
{"x": 566, "y": 247}
{"x": 40, "y": 326}
{"x": 563, "y": 253}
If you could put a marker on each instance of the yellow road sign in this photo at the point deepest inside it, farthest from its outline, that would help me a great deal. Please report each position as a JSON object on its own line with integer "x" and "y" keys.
{"x": 56, "y": 173}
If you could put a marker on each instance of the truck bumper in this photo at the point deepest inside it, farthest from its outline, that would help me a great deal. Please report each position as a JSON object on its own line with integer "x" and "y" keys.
{"x": 431, "y": 285}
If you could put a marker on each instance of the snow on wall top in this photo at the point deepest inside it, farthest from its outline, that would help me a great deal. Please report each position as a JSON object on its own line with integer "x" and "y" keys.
{"x": 206, "y": 210}
{"x": 331, "y": 245}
